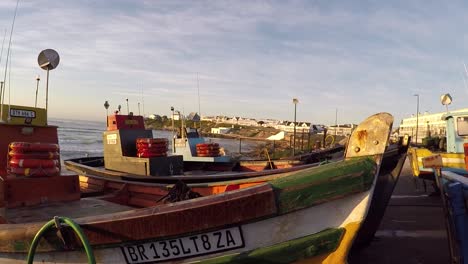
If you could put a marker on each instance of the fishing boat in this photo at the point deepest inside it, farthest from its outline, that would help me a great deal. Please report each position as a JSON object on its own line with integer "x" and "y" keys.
{"x": 192, "y": 158}
{"x": 453, "y": 157}
{"x": 454, "y": 195}
{"x": 449, "y": 170}
{"x": 310, "y": 215}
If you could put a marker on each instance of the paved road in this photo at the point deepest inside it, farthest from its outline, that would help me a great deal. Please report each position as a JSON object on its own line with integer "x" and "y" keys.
{"x": 412, "y": 230}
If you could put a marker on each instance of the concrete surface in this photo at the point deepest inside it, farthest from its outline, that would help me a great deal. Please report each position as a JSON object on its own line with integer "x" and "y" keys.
{"x": 412, "y": 230}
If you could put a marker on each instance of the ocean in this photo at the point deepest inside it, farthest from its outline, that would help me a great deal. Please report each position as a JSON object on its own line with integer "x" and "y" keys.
{"x": 79, "y": 138}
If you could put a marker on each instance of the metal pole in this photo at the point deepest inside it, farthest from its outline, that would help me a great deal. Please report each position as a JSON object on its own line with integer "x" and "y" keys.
{"x": 139, "y": 108}
{"x": 199, "y": 111}
{"x": 38, "y": 78}
{"x": 47, "y": 93}
{"x": 417, "y": 118}
{"x": 336, "y": 121}
{"x": 128, "y": 109}
{"x": 173, "y": 137}
{"x": 294, "y": 141}
{"x": 302, "y": 140}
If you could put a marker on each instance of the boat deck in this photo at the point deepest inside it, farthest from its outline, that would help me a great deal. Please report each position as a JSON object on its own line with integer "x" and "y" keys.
{"x": 81, "y": 208}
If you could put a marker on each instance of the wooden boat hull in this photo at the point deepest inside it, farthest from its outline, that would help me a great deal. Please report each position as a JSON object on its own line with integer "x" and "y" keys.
{"x": 452, "y": 161}
{"x": 313, "y": 215}
{"x": 277, "y": 223}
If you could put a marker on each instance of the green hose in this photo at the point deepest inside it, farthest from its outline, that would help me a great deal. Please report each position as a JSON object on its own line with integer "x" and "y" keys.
{"x": 74, "y": 226}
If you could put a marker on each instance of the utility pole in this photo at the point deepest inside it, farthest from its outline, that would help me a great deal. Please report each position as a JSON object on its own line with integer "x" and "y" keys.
{"x": 336, "y": 121}
{"x": 295, "y": 102}
{"x": 417, "y": 117}
{"x": 38, "y": 78}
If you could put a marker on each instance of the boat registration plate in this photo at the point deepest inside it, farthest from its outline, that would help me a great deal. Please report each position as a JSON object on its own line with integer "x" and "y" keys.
{"x": 188, "y": 246}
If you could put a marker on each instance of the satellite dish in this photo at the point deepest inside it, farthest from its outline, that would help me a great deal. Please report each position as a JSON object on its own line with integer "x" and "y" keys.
{"x": 48, "y": 59}
{"x": 446, "y": 99}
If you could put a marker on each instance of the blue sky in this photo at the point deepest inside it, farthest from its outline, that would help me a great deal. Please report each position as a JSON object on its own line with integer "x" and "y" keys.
{"x": 252, "y": 57}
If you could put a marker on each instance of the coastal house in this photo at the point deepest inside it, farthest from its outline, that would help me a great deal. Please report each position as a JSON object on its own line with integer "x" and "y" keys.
{"x": 341, "y": 130}
{"x": 193, "y": 116}
{"x": 287, "y": 126}
{"x": 208, "y": 118}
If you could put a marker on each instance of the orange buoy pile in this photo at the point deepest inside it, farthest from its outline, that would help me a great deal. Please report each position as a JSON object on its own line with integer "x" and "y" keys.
{"x": 208, "y": 150}
{"x": 34, "y": 159}
{"x": 151, "y": 147}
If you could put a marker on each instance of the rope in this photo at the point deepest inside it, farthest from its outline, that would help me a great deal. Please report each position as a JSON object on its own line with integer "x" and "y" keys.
{"x": 268, "y": 156}
{"x": 332, "y": 141}
{"x": 52, "y": 223}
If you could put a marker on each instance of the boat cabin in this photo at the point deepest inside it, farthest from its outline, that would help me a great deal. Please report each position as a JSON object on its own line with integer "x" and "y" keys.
{"x": 457, "y": 131}
{"x": 129, "y": 147}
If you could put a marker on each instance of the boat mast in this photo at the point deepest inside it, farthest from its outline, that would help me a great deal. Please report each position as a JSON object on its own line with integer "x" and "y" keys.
{"x": 6, "y": 65}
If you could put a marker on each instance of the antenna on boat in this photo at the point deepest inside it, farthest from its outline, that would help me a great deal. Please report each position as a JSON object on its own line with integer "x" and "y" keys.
{"x": 48, "y": 60}
{"x": 2, "y": 91}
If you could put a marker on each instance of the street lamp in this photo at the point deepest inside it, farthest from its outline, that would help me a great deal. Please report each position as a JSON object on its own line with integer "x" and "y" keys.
{"x": 128, "y": 109}
{"x": 106, "y": 105}
{"x": 417, "y": 118}
{"x": 172, "y": 110}
{"x": 295, "y": 102}
{"x": 38, "y": 78}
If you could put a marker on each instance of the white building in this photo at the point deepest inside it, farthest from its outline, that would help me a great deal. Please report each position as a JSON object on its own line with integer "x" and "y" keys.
{"x": 428, "y": 124}
{"x": 220, "y": 130}
{"x": 341, "y": 130}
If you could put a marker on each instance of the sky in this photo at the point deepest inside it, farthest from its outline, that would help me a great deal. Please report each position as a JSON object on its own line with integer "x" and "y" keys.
{"x": 251, "y": 57}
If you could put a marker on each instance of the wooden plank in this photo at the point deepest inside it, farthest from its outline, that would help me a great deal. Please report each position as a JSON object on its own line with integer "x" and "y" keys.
{"x": 325, "y": 183}
{"x": 185, "y": 217}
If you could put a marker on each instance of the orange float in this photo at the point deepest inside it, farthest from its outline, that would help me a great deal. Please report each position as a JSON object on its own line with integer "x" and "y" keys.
{"x": 149, "y": 154}
{"x": 35, "y": 172}
{"x": 34, "y": 159}
{"x": 33, "y": 155}
{"x": 208, "y": 146}
{"x": 34, "y": 147}
{"x": 33, "y": 163}
{"x": 208, "y": 150}
{"x": 152, "y": 147}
